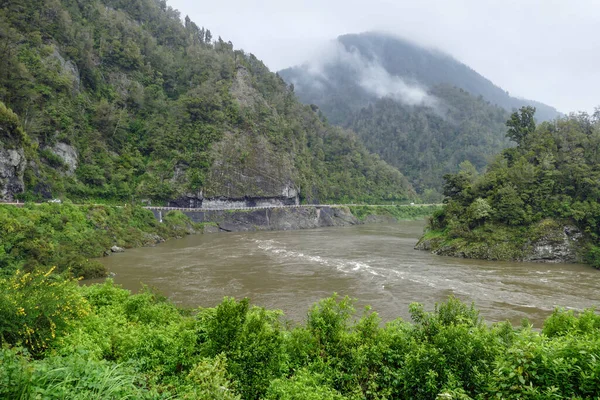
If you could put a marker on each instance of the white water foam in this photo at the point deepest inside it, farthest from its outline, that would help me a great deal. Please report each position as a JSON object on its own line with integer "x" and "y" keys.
{"x": 345, "y": 266}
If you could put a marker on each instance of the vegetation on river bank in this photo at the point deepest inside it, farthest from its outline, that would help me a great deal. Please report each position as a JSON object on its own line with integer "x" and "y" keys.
{"x": 102, "y": 341}
{"x": 67, "y": 236}
{"x": 543, "y": 193}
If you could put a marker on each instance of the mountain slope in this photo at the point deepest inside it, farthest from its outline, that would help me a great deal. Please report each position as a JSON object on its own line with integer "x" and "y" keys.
{"x": 118, "y": 100}
{"x": 427, "y": 143}
{"x": 430, "y": 68}
{"x": 419, "y": 109}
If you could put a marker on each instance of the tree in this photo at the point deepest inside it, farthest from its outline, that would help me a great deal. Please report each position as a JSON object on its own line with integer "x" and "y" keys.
{"x": 456, "y": 187}
{"x": 478, "y": 211}
{"x": 521, "y": 124}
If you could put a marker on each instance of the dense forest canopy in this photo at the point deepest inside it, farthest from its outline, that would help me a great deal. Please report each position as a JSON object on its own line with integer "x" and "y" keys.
{"x": 117, "y": 100}
{"x": 428, "y": 142}
{"x": 551, "y": 178}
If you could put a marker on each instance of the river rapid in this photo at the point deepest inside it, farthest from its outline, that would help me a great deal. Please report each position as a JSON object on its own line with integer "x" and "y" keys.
{"x": 376, "y": 264}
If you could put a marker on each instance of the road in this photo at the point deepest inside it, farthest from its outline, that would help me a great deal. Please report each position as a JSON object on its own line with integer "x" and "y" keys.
{"x": 251, "y": 208}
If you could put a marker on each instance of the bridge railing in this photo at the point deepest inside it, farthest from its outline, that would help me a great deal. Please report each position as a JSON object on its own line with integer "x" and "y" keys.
{"x": 238, "y": 208}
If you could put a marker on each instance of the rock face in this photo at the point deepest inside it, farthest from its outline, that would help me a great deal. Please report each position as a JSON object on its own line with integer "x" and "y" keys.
{"x": 191, "y": 200}
{"x": 275, "y": 219}
{"x": 68, "y": 154}
{"x": 242, "y": 90}
{"x": 559, "y": 246}
{"x": 68, "y": 68}
{"x": 248, "y": 169}
{"x": 12, "y": 167}
{"x": 249, "y": 165}
{"x": 117, "y": 249}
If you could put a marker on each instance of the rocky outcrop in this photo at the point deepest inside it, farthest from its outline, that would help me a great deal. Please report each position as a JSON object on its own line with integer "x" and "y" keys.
{"x": 558, "y": 246}
{"x": 243, "y": 92}
{"x": 427, "y": 244}
{"x": 68, "y": 155}
{"x": 12, "y": 167}
{"x": 249, "y": 165}
{"x": 550, "y": 242}
{"x": 188, "y": 200}
{"x": 68, "y": 68}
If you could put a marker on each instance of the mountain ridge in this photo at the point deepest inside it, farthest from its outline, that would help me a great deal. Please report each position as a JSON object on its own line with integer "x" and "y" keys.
{"x": 427, "y": 66}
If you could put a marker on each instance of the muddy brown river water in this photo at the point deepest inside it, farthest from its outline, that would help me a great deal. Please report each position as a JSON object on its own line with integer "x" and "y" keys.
{"x": 376, "y": 264}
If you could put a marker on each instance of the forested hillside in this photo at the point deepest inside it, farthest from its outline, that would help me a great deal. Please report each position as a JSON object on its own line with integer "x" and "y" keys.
{"x": 426, "y": 143}
{"x": 539, "y": 200}
{"x": 117, "y": 100}
{"x": 419, "y": 109}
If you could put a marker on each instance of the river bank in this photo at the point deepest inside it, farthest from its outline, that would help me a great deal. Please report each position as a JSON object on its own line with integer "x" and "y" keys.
{"x": 70, "y": 236}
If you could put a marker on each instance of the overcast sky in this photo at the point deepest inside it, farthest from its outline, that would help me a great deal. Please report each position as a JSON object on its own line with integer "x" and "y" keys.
{"x": 545, "y": 50}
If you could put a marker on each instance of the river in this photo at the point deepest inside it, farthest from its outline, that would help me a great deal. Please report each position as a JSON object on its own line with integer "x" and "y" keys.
{"x": 376, "y": 264}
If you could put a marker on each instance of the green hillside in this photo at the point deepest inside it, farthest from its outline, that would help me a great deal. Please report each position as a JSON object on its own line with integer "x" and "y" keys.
{"x": 426, "y": 143}
{"x": 119, "y": 100}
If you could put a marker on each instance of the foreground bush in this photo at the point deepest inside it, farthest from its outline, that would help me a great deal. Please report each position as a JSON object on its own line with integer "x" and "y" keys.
{"x": 37, "y": 307}
{"x": 123, "y": 345}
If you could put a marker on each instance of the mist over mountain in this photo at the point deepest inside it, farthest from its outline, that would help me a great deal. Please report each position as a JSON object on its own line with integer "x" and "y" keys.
{"x": 420, "y": 109}
{"x": 383, "y": 65}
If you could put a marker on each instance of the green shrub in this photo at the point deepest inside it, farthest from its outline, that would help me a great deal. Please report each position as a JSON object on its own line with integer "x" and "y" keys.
{"x": 250, "y": 338}
{"x": 208, "y": 380}
{"x": 72, "y": 377}
{"x": 37, "y": 307}
{"x": 538, "y": 367}
{"x": 103, "y": 342}
{"x": 304, "y": 385}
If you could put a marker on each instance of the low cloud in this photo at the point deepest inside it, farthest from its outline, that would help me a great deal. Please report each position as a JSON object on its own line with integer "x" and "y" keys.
{"x": 370, "y": 75}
